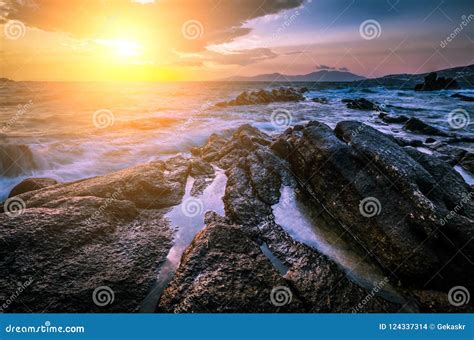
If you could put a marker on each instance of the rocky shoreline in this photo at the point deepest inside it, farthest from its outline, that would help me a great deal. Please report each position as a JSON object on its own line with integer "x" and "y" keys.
{"x": 410, "y": 214}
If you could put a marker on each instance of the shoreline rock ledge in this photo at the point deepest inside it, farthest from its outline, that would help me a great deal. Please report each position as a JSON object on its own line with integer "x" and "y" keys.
{"x": 409, "y": 214}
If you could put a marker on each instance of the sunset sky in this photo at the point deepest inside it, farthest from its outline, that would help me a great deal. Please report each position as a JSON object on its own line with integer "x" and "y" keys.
{"x": 211, "y": 39}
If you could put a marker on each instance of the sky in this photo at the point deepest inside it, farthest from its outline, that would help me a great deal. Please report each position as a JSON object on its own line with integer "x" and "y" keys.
{"x": 161, "y": 40}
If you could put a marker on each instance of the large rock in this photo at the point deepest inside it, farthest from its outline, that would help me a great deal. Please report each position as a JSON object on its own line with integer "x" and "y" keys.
{"x": 72, "y": 247}
{"x": 156, "y": 184}
{"x": 418, "y": 126}
{"x": 107, "y": 233}
{"x": 394, "y": 200}
{"x": 223, "y": 270}
{"x": 361, "y": 104}
{"x": 31, "y": 184}
{"x": 281, "y": 94}
{"x": 433, "y": 83}
{"x": 16, "y": 160}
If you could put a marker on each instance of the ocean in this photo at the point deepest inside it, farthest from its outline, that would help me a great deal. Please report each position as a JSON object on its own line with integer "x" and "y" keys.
{"x": 74, "y": 130}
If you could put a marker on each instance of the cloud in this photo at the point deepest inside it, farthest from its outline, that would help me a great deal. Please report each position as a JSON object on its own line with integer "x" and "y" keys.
{"x": 331, "y": 68}
{"x": 324, "y": 67}
{"x": 220, "y": 21}
{"x": 239, "y": 57}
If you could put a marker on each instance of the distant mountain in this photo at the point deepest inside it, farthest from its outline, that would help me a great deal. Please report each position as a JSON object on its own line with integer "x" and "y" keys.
{"x": 464, "y": 76}
{"x": 319, "y": 76}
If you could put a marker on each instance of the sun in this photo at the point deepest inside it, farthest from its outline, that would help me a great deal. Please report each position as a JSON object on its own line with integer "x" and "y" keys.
{"x": 122, "y": 48}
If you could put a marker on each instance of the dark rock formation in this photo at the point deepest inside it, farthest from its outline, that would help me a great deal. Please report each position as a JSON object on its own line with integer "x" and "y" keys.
{"x": 265, "y": 97}
{"x": 16, "y": 160}
{"x": 104, "y": 231}
{"x": 223, "y": 270}
{"x": 392, "y": 119}
{"x": 321, "y": 100}
{"x": 410, "y": 194}
{"x": 111, "y": 230}
{"x": 463, "y": 97}
{"x": 433, "y": 83}
{"x": 361, "y": 104}
{"x": 418, "y": 126}
{"x": 31, "y": 184}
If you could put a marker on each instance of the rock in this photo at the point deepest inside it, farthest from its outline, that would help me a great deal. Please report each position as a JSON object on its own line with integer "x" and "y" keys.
{"x": 264, "y": 97}
{"x": 156, "y": 184}
{"x": 223, "y": 270}
{"x": 76, "y": 245}
{"x": 16, "y": 160}
{"x": 404, "y": 188}
{"x": 418, "y": 126}
{"x": 361, "y": 104}
{"x": 392, "y": 119}
{"x": 321, "y": 100}
{"x": 463, "y": 97}
{"x": 31, "y": 184}
{"x": 433, "y": 83}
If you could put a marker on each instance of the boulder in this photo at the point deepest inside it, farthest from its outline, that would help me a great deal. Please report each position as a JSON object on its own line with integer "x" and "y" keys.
{"x": 265, "y": 97}
{"x": 433, "y": 83}
{"x": 31, "y": 184}
{"x": 224, "y": 271}
{"x": 463, "y": 97}
{"x": 418, "y": 126}
{"x": 393, "y": 199}
{"x": 361, "y": 104}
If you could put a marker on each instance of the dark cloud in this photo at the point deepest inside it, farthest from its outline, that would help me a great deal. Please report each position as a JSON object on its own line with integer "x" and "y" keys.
{"x": 331, "y": 68}
{"x": 324, "y": 67}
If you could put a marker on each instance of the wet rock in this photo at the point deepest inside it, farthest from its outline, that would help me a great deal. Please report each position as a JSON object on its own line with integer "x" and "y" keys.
{"x": 392, "y": 119}
{"x": 418, "y": 126}
{"x": 281, "y": 94}
{"x": 433, "y": 83}
{"x": 223, "y": 270}
{"x": 16, "y": 160}
{"x": 463, "y": 97}
{"x": 403, "y": 187}
{"x": 152, "y": 185}
{"x": 75, "y": 245}
{"x": 361, "y": 104}
{"x": 321, "y": 100}
{"x": 31, "y": 184}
